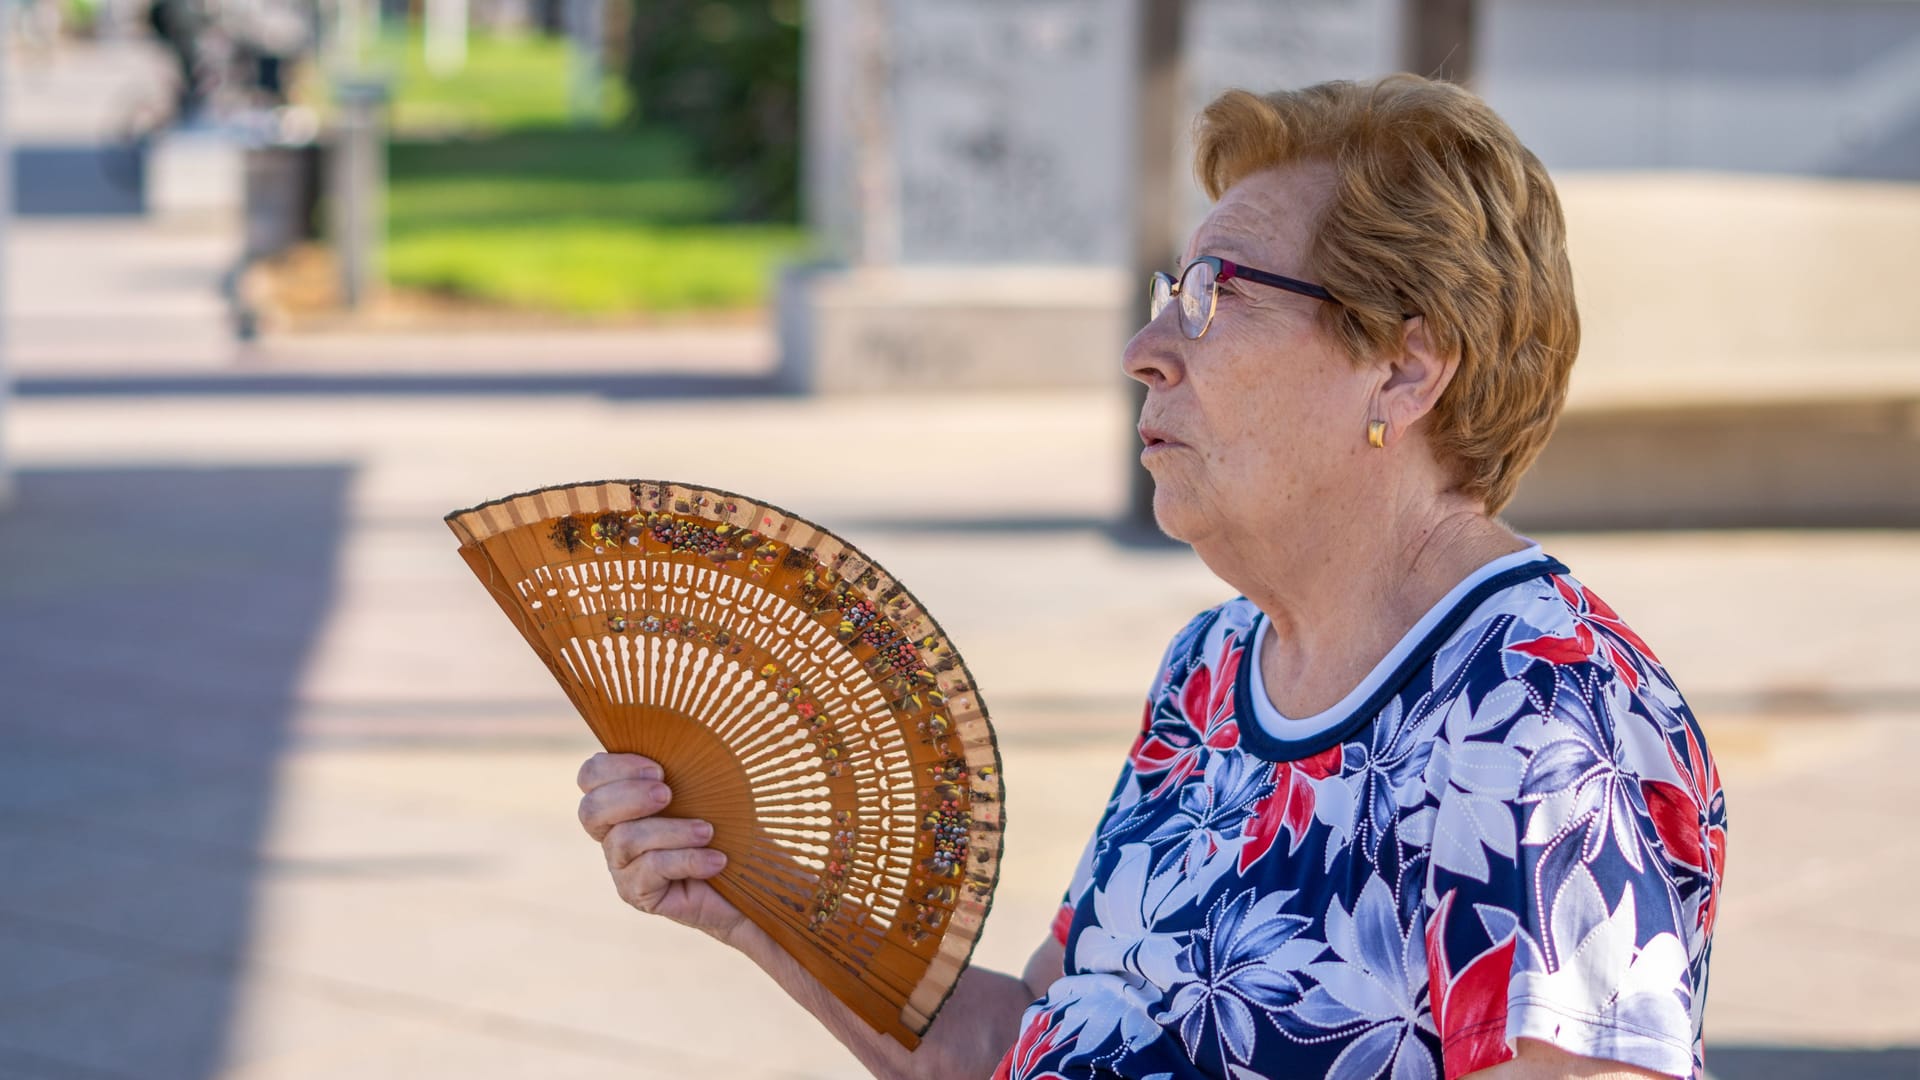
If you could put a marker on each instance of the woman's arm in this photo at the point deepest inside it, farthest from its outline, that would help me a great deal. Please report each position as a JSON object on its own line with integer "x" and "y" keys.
{"x": 660, "y": 866}
{"x": 1536, "y": 1060}
{"x": 968, "y": 1038}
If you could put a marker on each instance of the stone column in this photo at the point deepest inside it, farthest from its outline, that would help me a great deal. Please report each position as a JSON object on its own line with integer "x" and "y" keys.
{"x": 587, "y": 34}
{"x": 446, "y": 35}
{"x": 1439, "y": 39}
{"x": 1158, "y": 110}
{"x": 359, "y": 183}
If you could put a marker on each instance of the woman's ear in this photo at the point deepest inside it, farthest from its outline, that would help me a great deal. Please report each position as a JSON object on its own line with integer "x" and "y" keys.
{"x": 1415, "y": 378}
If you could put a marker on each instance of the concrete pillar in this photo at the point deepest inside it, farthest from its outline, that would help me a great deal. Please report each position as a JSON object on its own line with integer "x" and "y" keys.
{"x": 1159, "y": 110}
{"x": 878, "y": 182}
{"x": 1439, "y": 39}
{"x": 446, "y": 44}
{"x": 358, "y": 179}
{"x": 587, "y": 31}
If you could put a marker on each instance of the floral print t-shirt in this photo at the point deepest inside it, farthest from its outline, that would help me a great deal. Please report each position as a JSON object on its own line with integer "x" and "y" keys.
{"x": 1513, "y": 829}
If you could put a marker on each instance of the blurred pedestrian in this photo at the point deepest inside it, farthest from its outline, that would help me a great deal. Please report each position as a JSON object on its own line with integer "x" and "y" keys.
{"x": 1418, "y": 803}
{"x": 178, "y": 24}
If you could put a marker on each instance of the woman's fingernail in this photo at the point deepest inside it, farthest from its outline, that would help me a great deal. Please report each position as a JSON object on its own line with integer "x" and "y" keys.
{"x": 663, "y": 794}
{"x": 713, "y": 860}
{"x": 702, "y": 830}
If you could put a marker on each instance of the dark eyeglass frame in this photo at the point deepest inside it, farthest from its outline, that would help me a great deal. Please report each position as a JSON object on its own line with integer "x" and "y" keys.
{"x": 1163, "y": 289}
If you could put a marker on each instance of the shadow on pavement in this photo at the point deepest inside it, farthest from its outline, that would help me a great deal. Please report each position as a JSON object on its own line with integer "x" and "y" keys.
{"x": 1810, "y": 1063}
{"x": 79, "y": 179}
{"x": 153, "y": 626}
{"x": 229, "y": 382}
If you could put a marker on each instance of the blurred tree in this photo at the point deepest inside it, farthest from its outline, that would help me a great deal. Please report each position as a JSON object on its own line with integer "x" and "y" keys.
{"x": 726, "y": 74}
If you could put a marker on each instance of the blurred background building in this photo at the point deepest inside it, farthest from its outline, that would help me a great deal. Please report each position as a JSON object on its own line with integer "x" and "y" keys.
{"x": 285, "y": 281}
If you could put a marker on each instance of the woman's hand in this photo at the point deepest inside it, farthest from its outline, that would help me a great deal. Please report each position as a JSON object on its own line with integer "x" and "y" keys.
{"x": 659, "y": 864}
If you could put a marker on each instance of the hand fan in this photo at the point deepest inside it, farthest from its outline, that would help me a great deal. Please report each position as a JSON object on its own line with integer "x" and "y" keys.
{"x": 799, "y": 698}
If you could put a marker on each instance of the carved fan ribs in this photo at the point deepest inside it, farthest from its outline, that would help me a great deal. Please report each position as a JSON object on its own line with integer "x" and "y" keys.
{"x": 799, "y": 699}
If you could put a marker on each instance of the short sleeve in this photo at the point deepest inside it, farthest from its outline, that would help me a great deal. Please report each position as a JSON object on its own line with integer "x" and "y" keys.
{"x": 1554, "y": 909}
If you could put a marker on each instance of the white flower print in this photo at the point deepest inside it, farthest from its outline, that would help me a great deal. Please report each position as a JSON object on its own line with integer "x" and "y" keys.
{"x": 1629, "y": 993}
{"x": 1373, "y": 990}
{"x": 1475, "y": 783}
{"x": 1243, "y": 962}
{"x": 1121, "y": 938}
{"x": 1378, "y": 779}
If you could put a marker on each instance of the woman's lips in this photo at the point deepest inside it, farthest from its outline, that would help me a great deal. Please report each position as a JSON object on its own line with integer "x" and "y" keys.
{"x": 1156, "y": 442}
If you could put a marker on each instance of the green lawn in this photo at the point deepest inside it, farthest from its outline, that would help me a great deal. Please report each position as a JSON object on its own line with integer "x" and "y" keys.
{"x": 494, "y": 196}
{"x": 508, "y": 82}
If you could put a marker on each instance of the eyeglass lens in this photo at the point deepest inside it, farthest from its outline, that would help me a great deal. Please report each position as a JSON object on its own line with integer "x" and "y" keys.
{"x": 1196, "y": 299}
{"x": 1196, "y": 296}
{"x": 1159, "y": 294}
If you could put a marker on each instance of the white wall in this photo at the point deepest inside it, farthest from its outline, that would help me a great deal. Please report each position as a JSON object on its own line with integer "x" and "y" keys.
{"x": 1810, "y": 87}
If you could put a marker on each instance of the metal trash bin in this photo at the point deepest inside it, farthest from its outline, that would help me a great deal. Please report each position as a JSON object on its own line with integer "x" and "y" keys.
{"x": 282, "y": 197}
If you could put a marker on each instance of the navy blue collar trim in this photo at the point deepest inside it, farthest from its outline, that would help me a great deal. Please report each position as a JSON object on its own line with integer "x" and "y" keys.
{"x": 1257, "y": 740}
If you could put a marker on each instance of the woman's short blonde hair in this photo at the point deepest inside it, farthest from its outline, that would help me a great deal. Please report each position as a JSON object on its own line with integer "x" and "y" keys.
{"x": 1436, "y": 209}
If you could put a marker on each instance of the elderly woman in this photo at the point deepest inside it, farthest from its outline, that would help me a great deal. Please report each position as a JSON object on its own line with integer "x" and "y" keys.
{"x": 1417, "y": 803}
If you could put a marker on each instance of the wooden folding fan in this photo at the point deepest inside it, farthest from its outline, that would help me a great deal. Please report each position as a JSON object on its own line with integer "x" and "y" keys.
{"x": 799, "y": 698}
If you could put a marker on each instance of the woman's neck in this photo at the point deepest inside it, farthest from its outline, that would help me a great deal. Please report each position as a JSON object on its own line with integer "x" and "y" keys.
{"x": 1339, "y": 602}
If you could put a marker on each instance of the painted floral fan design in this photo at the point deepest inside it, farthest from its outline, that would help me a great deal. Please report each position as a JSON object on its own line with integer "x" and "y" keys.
{"x": 799, "y": 698}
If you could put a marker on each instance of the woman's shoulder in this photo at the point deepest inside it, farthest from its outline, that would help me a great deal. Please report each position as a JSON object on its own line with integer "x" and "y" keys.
{"x": 1556, "y": 620}
{"x": 1547, "y": 663}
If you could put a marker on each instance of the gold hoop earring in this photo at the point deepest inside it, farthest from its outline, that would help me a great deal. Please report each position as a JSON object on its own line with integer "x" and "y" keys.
{"x": 1377, "y": 434}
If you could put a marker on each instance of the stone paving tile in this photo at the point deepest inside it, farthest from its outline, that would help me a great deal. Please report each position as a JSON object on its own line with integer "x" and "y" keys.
{"x": 41, "y": 777}
{"x": 1805, "y": 984}
{"x": 175, "y": 907}
{"x": 165, "y": 1024}
{"x": 44, "y": 862}
{"x": 155, "y": 1025}
{"x": 617, "y": 976}
{"x": 1813, "y": 941}
{"x": 16, "y": 1065}
{"x": 473, "y": 1053}
{"x": 36, "y": 964}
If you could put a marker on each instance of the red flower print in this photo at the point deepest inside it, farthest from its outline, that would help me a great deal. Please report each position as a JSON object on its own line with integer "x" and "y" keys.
{"x": 1062, "y": 923}
{"x": 1206, "y": 703}
{"x": 1683, "y": 816}
{"x": 1591, "y": 614}
{"x": 1140, "y": 744}
{"x": 1559, "y": 650}
{"x": 1290, "y": 804}
{"x": 1037, "y": 1039}
{"x": 1590, "y": 607}
{"x": 1469, "y": 1009}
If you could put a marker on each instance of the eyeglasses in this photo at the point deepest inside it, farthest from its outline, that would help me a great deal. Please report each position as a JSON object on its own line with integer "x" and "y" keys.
{"x": 1198, "y": 290}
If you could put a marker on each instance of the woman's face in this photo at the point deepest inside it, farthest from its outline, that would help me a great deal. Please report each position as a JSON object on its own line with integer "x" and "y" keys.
{"x": 1260, "y": 424}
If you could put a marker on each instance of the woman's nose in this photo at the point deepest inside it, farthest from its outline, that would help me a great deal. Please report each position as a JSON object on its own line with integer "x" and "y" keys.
{"x": 1153, "y": 356}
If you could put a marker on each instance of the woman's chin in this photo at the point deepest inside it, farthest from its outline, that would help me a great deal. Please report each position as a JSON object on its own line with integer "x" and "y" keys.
{"x": 1176, "y": 515}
